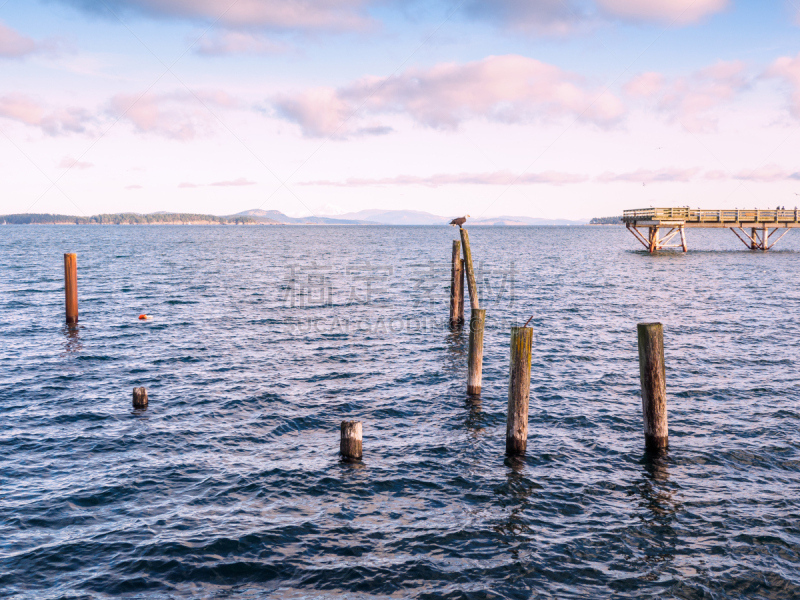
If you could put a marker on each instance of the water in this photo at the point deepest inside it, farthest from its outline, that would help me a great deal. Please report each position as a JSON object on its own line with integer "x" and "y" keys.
{"x": 229, "y": 484}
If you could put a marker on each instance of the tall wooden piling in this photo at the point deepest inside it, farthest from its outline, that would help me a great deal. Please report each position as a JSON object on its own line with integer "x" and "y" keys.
{"x": 139, "y": 397}
{"x": 477, "y": 320}
{"x": 473, "y": 287}
{"x": 457, "y": 287}
{"x": 350, "y": 443}
{"x": 71, "y": 286}
{"x": 519, "y": 390}
{"x": 654, "y": 385}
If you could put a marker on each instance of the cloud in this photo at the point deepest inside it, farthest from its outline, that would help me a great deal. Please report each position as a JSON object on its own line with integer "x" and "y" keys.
{"x": 692, "y": 100}
{"x": 15, "y": 45}
{"x": 787, "y": 69}
{"x": 680, "y": 12}
{"x": 494, "y": 178}
{"x": 133, "y": 187}
{"x": 766, "y": 174}
{"x": 25, "y": 110}
{"x": 235, "y": 183}
{"x": 186, "y": 184}
{"x": 73, "y": 163}
{"x": 543, "y": 16}
{"x": 670, "y": 174}
{"x": 506, "y": 89}
{"x": 180, "y": 116}
{"x": 238, "y": 42}
{"x": 311, "y": 15}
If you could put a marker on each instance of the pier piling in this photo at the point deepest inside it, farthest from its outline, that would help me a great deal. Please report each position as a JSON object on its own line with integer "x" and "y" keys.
{"x": 473, "y": 288}
{"x": 654, "y": 386}
{"x": 519, "y": 389}
{"x": 71, "y": 287}
{"x": 457, "y": 287}
{"x": 350, "y": 444}
{"x": 139, "y": 397}
{"x": 477, "y": 319}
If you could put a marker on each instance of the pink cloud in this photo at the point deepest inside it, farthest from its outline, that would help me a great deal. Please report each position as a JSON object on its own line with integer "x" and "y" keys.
{"x": 788, "y": 69}
{"x": 679, "y": 12}
{"x": 507, "y": 89}
{"x": 235, "y": 183}
{"x": 495, "y": 178}
{"x": 692, "y": 100}
{"x": 645, "y": 85}
{"x": 73, "y": 163}
{"x": 321, "y": 15}
{"x": 670, "y": 174}
{"x": 59, "y": 122}
{"x": 238, "y": 42}
{"x": 186, "y": 184}
{"x": 133, "y": 187}
{"x": 766, "y": 174}
{"x": 15, "y": 45}
{"x": 179, "y": 116}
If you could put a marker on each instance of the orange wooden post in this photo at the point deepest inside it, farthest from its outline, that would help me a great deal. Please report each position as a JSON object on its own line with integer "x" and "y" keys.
{"x": 71, "y": 286}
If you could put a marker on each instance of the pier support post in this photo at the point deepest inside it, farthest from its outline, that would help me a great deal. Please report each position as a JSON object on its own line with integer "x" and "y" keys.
{"x": 519, "y": 390}
{"x": 683, "y": 238}
{"x": 477, "y": 319}
{"x": 765, "y": 238}
{"x": 71, "y": 287}
{"x": 753, "y": 239}
{"x": 139, "y": 397}
{"x": 457, "y": 287}
{"x": 473, "y": 288}
{"x": 654, "y": 387}
{"x": 350, "y": 443}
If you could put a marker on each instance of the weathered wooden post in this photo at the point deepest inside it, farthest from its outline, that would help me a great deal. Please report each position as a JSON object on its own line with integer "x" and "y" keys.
{"x": 477, "y": 319}
{"x": 519, "y": 390}
{"x": 139, "y": 397}
{"x": 350, "y": 444}
{"x": 457, "y": 287}
{"x": 654, "y": 385}
{"x": 753, "y": 239}
{"x": 473, "y": 288}
{"x": 71, "y": 287}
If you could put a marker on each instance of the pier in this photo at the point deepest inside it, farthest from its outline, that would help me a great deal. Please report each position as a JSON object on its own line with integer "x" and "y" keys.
{"x": 763, "y": 225}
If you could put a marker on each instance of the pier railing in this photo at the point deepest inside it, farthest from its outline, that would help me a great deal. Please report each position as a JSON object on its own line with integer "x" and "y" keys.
{"x": 692, "y": 215}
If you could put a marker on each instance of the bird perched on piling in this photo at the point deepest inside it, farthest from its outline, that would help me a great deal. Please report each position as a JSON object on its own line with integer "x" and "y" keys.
{"x": 459, "y": 221}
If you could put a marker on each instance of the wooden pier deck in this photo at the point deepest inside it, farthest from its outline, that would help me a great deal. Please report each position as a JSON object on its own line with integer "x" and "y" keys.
{"x": 759, "y": 222}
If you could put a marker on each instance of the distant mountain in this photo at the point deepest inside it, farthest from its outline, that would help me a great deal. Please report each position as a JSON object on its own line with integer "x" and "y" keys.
{"x": 397, "y": 217}
{"x": 275, "y": 217}
{"x": 416, "y": 217}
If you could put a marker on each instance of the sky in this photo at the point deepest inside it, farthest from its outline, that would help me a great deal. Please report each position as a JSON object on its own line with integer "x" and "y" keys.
{"x": 542, "y": 108}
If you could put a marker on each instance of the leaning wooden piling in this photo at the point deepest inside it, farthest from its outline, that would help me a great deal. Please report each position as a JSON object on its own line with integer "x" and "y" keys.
{"x": 477, "y": 320}
{"x": 71, "y": 287}
{"x": 473, "y": 288}
{"x": 457, "y": 287}
{"x": 654, "y": 385}
{"x": 350, "y": 442}
{"x": 139, "y": 397}
{"x": 519, "y": 389}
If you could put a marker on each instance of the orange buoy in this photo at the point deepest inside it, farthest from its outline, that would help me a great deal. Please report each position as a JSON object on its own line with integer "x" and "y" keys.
{"x": 142, "y": 317}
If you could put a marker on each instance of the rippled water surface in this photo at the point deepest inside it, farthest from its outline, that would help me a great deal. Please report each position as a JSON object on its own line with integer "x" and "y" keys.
{"x": 264, "y": 338}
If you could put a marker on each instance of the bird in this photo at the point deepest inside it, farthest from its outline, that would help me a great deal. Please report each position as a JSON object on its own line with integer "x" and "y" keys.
{"x": 459, "y": 221}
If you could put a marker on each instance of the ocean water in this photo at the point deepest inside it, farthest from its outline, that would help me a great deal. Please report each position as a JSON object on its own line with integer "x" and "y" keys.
{"x": 263, "y": 339}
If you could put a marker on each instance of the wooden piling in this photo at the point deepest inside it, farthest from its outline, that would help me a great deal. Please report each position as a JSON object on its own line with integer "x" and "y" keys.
{"x": 477, "y": 320}
{"x": 350, "y": 444}
{"x": 457, "y": 287}
{"x": 71, "y": 286}
{"x": 654, "y": 386}
{"x": 753, "y": 239}
{"x": 519, "y": 389}
{"x": 473, "y": 288}
{"x": 139, "y": 397}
